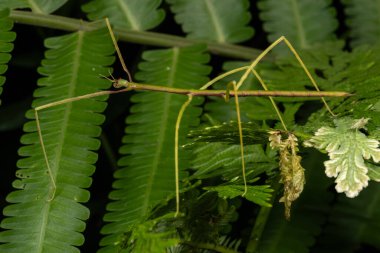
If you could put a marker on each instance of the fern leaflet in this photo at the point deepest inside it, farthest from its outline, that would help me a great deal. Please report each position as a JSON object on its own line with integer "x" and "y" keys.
{"x": 6, "y": 46}
{"x": 138, "y": 15}
{"x": 216, "y": 20}
{"x": 297, "y": 21}
{"x": 147, "y": 174}
{"x": 37, "y": 220}
{"x": 363, "y": 21}
{"x": 37, "y": 6}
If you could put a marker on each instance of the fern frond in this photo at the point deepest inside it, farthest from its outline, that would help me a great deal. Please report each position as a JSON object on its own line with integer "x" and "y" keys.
{"x": 153, "y": 236}
{"x": 38, "y": 220}
{"x": 259, "y": 194}
{"x": 218, "y": 159}
{"x": 357, "y": 73}
{"x": 364, "y": 84}
{"x": 223, "y": 21}
{"x": 363, "y": 21}
{"x": 138, "y": 15}
{"x": 207, "y": 208}
{"x": 303, "y": 22}
{"x": 228, "y": 133}
{"x": 37, "y": 6}
{"x": 147, "y": 173}
{"x": 6, "y": 46}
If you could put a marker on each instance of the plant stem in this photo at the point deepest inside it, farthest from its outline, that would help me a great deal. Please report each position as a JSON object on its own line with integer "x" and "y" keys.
{"x": 139, "y": 37}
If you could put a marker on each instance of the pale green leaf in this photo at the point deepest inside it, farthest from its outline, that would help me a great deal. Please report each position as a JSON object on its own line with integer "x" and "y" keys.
{"x": 348, "y": 148}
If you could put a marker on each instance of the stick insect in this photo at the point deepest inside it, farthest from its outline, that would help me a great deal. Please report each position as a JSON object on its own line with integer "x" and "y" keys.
{"x": 125, "y": 85}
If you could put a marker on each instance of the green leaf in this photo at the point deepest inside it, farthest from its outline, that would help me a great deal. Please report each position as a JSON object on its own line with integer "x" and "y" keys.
{"x": 153, "y": 236}
{"x": 303, "y": 22}
{"x": 222, "y": 21}
{"x": 6, "y": 46}
{"x": 357, "y": 73}
{"x": 219, "y": 159}
{"x": 347, "y": 148}
{"x": 146, "y": 176}
{"x": 37, "y": 219}
{"x": 138, "y": 15}
{"x": 229, "y": 133}
{"x": 363, "y": 21}
{"x": 37, "y": 6}
{"x": 258, "y": 194}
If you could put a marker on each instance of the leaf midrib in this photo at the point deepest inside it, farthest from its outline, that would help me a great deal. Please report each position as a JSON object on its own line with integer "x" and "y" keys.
{"x": 299, "y": 26}
{"x": 215, "y": 22}
{"x": 34, "y": 6}
{"x": 62, "y": 136}
{"x": 162, "y": 133}
{"x": 129, "y": 15}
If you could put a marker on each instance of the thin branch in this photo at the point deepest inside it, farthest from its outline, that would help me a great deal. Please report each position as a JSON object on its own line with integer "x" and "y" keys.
{"x": 139, "y": 37}
{"x": 191, "y": 92}
{"x": 242, "y": 93}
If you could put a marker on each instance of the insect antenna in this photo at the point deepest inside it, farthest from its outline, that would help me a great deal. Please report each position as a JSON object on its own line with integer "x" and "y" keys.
{"x": 118, "y": 50}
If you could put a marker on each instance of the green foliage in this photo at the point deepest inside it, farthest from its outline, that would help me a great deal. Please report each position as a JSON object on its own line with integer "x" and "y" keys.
{"x": 37, "y": 6}
{"x": 6, "y": 45}
{"x": 149, "y": 237}
{"x": 228, "y": 133}
{"x": 259, "y": 194}
{"x": 221, "y": 21}
{"x": 219, "y": 159}
{"x": 202, "y": 208}
{"x": 347, "y": 148}
{"x": 304, "y": 22}
{"x": 214, "y": 216}
{"x": 138, "y": 15}
{"x": 145, "y": 179}
{"x": 40, "y": 219}
{"x": 363, "y": 20}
